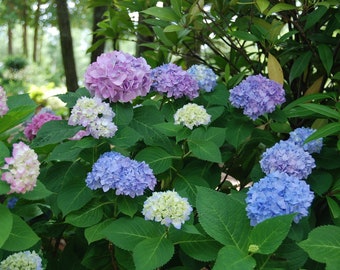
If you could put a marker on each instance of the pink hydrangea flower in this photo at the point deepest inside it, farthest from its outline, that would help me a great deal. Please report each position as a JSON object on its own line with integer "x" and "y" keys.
{"x": 118, "y": 76}
{"x": 22, "y": 169}
{"x": 38, "y": 120}
{"x": 3, "y": 100}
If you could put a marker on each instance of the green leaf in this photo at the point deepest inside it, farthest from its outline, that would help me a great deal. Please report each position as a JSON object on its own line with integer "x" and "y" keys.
{"x": 327, "y": 130}
{"x": 262, "y": 5}
{"x": 4, "y": 152}
{"x": 15, "y": 117}
{"x": 244, "y": 35}
{"x": 4, "y": 187}
{"x": 280, "y": 7}
{"x": 126, "y": 233}
{"x": 65, "y": 152}
{"x": 323, "y": 245}
{"x": 127, "y": 205}
{"x": 39, "y": 192}
{"x": 314, "y": 17}
{"x": 238, "y": 132}
{"x": 173, "y": 28}
{"x": 163, "y": 13}
{"x": 125, "y": 137}
{"x": 223, "y": 217}
{"x": 54, "y": 131}
{"x": 322, "y": 109}
{"x": 152, "y": 253}
{"x": 232, "y": 258}
{"x": 158, "y": 159}
{"x": 21, "y": 237}
{"x": 300, "y": 65}
{"x": 168, "y": 128}
{"x": 86, "y": 217}
{"x": 161, "y": 35}
{"x": 305, "y": 99}
{"x": 6, "y": 224}
{"x": 95, "y": 233}
{"x": 219, "y": 96}
{"x": 268, "y": 235}
{"x": 205, "y": 150}
{"x": 213, "y": 134}
{"x": 123, "y": 113}
{"x": 333, "y": 207}
{"x": 326, "y": 56}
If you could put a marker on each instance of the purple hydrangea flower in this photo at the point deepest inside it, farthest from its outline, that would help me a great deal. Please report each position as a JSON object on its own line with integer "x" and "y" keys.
{"x": 114, "y": 171}
{"x": 257, "y": 95}
{"x": 174, "y": 81}
{"x": 3, "y": 102}
{"x": 36, "y": 123}
{"x": 278, "y": 194}
{"x": 118, "y": 76}
{"x": 205, "y": 77}
{"x": 299, "y": 135}
{"x": 287, "y": 157}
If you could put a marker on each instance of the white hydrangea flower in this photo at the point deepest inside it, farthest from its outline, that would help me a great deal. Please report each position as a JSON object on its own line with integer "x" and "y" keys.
{"x": 26, "y": 260}
{"x": 167, "y": 208}
{"x": 191, "y": 115}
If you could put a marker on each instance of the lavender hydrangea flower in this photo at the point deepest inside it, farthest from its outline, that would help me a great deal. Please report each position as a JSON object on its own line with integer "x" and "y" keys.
{"x": 174, "y": 81}
{"x": 3, "y": 102}
{"x": 299, "y": 135}
{"x": 36, "y": 123}
{"x": 278, "y": 194}
{"x": 257, "y": 95}
{"x": 95, "y": 115}
{"x": 25, "y": 260}
{"x": 114, "y": 171}
{"x": 192, "y": 115}
{"x": 205, "y": 77}
{"x": 118, "y": 76}
{"x": 286, "y": 157}
{"x": 22, "y": 169}
{"x": 168, "y": 208}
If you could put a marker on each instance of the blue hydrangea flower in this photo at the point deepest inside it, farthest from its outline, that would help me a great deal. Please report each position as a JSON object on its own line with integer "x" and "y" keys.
{"x": 287, "y": 157}
{"x": 114, "y": 171}
{"x": 278, "y": 194}
{"x": 299, "y": 135}
{"x": 257, "y": 95}
{"x": 174, "y": 81}
{"x": 205, "y": 77}
{"x": 11, "y": 202}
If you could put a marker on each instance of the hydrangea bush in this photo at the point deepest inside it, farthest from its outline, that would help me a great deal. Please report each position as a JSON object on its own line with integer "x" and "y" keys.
{"x": 171, "y": 166}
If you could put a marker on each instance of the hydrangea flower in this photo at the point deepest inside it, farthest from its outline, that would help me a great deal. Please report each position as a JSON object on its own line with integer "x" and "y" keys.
{"x": 36, "y": 123}
{"x": 22, "y": 169}
{"x": 205, "y": 77}
{"x": 118, "y": 76}
{"x": 114, "y": 171}
{"x": 278, "y": 194}
{"x": 25, "y": 260}
{"x": 299, "y": 135}
{"x": 168, "y": 208}
{"x": 95, "y": 115}
{"x": 257, "y": 95}
{"x": 174, "y": 81}
{"x": 3, "y": 102}
{"x": 286, "y": 157}
{"x": 11, "y": 202}
{"x": 191, "y": 115}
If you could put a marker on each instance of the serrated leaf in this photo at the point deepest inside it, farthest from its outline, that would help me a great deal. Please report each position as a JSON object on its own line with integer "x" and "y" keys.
{"x": 229, "y": 224}
{"x": 205, "y": 150}
{"x": 95, "y": 233}
{"x": 232, "y": 258}
{"x": 39, "y": 192}
{"x": 125, "y": 137}
{"x": 275, "y": 72}
{"x": 268, "y": 235}
{"x": 127, "y": 205}
{"x": 6, "y": 220}
{"x": 85, "y": 217}
{"x": 213, "y": 134}
{"x": 157, "y": 158}
{"x": 237, "y": 132}
{"x": 123, "y": 113}
{"x": 4, "y": 187}
{"x": 126, "y": 233}
{"x": 152, "y": 253}
{"x": 323, "y": 245}
{"x": 21, "y": 237}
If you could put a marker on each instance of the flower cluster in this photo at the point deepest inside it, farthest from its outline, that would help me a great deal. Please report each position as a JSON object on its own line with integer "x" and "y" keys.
{"x": 205, "y": 77}
{"x": 22, "y": 169}
{"x": 286, "y": 157}
{"x": 191, "y": 115}
{"x": 36, "y": 123}
{"x": 167, "y": 208}
{"x": 174, "y": 81}
{"x": 114, "y": 171}
{"x": 25, "y": 260}
{"x": 278, "y": 194}
{"x": 299, "y": 135}
{"x": 95, "y": 115}
{"x": 3, "y": 102}
{"x": 118, "y": 76}
{"x": 257, "y": 95}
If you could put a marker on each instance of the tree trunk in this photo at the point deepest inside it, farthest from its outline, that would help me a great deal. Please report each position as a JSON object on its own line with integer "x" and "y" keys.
{"x": 10, "y": 38}
{"x": 24, "y": 29}
{"x": 98, "y": 13}
{"x": 36, "y": 30}
{"x": 66, "y": 45}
